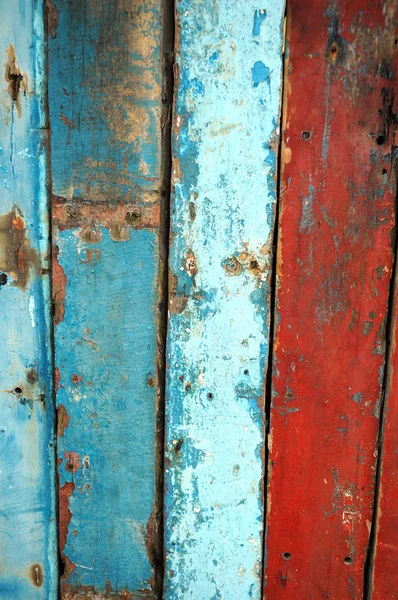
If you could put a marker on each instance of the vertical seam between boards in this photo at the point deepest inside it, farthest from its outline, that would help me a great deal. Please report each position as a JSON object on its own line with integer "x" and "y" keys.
{"x": 273, "y": 294}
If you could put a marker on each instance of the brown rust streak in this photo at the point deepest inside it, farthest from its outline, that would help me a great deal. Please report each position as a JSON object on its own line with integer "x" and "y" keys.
{"x": 16, "y": 255}
{"x": 36, "y": 575}
{"x": 58, "y": 288}
{"x": 17, "y": 81}
{"x": 52, "y": 14}
{"x": 65, "y": 515}
{"x": 62, "y": 421}
{"x": 117, "y": 218}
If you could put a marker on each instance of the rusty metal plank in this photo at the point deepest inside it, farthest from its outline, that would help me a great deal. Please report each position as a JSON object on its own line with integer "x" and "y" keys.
{"x": 228, "y": 80}
{"x": 334, "y": 270}
{"x": 27, "y": 474}
{"x": 106, "y": 118}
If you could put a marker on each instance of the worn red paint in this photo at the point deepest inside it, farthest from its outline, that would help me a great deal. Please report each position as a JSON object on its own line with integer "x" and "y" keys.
{"x": 334, "y": 269}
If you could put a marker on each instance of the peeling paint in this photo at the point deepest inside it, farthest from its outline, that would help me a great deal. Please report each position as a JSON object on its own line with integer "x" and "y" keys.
{"x": 225, "y": 140}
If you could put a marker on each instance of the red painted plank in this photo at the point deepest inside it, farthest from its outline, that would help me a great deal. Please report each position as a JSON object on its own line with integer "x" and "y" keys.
{"x": 334, "y": 270}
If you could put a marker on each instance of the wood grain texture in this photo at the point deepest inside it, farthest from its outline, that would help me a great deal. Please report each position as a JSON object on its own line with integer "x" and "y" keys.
{"x": 384, "y": 565}
{"x": 226, "y": 119}
{"x": 334, "y": 271}
{"x": 28, "y": 548}
{"x": 106, "y": 111}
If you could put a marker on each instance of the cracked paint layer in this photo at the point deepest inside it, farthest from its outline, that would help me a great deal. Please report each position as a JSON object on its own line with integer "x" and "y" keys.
{"x": 334, "y": 269}
{"x": 106, "y": 108}
{"x": 27, "y": 474}
{"x": 225, "y": 139}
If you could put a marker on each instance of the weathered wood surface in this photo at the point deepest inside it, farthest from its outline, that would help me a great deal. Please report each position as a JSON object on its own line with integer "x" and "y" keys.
{"x": 384, "y": 560}
{"x": 226, "y": 120}
{"x": 334, "y": 271}
{"x": 106, "y": 108}
{"x": 27, "y": 473}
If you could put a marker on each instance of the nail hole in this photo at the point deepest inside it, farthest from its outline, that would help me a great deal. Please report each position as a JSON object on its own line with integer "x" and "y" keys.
{"x": 210, "y": 396}
{"x": 306, "y": 135}
{"x": 253, "y": 264}
{"x": 380, "y": 140}
{"x": 384, "y": 171}
{"x": 246, "y": 371}
{"x": 287, "y": 555}
{"x": 18, "y": 391}
{"x": 348, "y": 560}
{"x": 188, "y": 386}
{"x": 3, "y": 278}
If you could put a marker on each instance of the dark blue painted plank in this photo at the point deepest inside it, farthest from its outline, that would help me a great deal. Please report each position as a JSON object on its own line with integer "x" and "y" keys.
{"x": 105, "y": 109}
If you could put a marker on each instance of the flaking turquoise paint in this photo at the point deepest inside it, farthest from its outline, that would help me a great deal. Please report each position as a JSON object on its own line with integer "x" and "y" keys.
{"x": 28, "y": 549}
{"x": 227, "y": 112}
{"x": 105, "y": 109}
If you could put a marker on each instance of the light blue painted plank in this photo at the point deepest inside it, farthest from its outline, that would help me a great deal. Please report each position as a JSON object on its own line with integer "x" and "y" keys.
{"x": 224, "y": 171}
{"x": 106, "y": 109}
{"x": 28, "y": 565}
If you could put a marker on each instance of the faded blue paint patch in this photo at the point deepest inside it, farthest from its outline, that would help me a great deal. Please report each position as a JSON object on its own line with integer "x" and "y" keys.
{"x": 259, "y": 18}
{"x": 27, "y": 473}
{"x": 105, "y": 352}
{"x": 218, "y": 326}
{"x": 260, "y": 73}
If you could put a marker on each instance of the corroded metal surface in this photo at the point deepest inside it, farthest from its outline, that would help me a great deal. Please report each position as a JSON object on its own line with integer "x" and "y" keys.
{"x": 106, "y": 118}
{"x": 334, "y": 271}
{"x": 28, "y": 563}
{"x": 228, "y": 79}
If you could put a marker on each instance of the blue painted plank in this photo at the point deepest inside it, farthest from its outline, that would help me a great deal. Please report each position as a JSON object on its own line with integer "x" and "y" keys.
{"x": 226, "y": 129}
{"x": 27, "y": 473}
{"x": 106, "y": 111}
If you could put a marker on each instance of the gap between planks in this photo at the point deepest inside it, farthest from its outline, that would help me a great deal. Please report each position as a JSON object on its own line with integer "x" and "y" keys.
{"x": 369, "y": 562}
{"x": 273, "y": 288}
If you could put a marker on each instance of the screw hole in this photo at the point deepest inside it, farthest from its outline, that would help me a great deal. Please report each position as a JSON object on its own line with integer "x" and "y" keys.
{"x": 287, "y": 555}
{"x": 348, "y": 560}
{"x": 380, "y": 140}
{"x": 306, "y": 135}
{"x": 246, "y": 371}
{"x": 210, "y": 396}
{"x": 3, "y": 278}
{"x": 18, "y": 391}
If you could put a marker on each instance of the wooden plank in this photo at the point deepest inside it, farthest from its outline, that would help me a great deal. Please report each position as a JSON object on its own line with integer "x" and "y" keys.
{"x": 384, "y": 558}
{"x": 27, "y": 474}
{"x": 384, "y": 565}
{"x": 224, "y": 168}
{"x": 334, "y": 270}
{"x": 106, "y": 111}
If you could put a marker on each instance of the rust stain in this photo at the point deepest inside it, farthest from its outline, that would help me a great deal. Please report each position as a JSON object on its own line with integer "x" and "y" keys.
{"x": 76, "y": 378}
{"x": 58, "y": 288}
{"x": 17, "y": 81}
{"x": 16, "y": 255}
{"x": 52, "y": 18}
{"x": 72, "y": 461}
{"x": 117, "y": 218}
{"x": 63, "y": 420}
{"x": 36, "y": 575}
{"x": 67, "y": 121}
{"x": 65, "y": 515}
{"x": 90, "y": 235}
{"x": 177, "y": 303}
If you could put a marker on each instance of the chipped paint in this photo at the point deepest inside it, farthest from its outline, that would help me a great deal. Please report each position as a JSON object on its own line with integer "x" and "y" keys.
{"x": 228, "y": 80}
{"x": 333, "y": 274}
{"x": 27, "y": 474}
{"x": 106, "y": 106}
